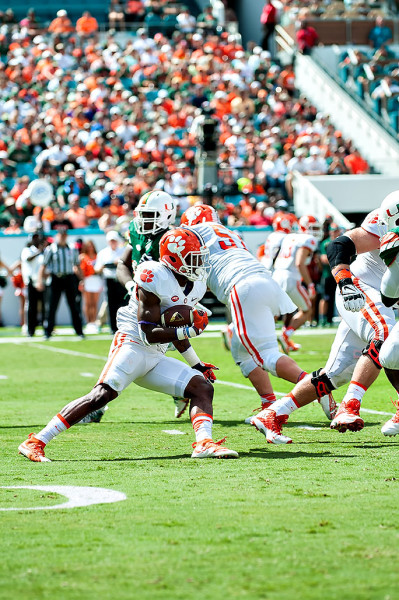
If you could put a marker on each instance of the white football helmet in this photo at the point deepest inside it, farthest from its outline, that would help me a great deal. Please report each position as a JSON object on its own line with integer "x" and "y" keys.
{"x": 155, "y": 212}
{"x": 389, "y": 210}
{"x": 310, "y": 225}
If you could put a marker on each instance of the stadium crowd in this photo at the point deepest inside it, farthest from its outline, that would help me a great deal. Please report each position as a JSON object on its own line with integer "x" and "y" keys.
{"x": 104, "y": 121}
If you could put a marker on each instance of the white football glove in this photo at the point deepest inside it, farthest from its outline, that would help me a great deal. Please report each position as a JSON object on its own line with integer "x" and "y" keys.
{"x": 353, "y": 298}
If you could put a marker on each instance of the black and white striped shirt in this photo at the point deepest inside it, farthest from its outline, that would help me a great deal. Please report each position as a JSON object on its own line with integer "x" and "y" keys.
{"x": 60, "y": 260}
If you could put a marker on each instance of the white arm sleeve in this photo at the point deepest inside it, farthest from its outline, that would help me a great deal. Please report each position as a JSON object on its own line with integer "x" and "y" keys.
{"x": 390, "y": 281}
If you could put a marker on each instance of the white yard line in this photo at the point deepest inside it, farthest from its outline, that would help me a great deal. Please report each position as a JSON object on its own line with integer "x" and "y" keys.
{"x": 213, "y": 330}
{"x": 232, "y": 384}
{"x": 77, "y": 496}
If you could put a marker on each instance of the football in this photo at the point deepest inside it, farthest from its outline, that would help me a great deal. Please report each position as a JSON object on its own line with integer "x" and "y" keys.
{"x": 177, "y": 316}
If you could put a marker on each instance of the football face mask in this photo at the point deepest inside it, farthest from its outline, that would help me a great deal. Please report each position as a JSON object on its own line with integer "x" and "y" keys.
{"x": 155, "y": 212}
{"x": 184, "y": 252}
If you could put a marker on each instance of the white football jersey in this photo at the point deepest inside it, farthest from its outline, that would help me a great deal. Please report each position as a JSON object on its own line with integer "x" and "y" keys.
{"x": 369, "y": 267}
{"x": 272, "y": 248}
{"x": 290, "y": 245}
{"x": 229, "y": 258}
{"x": 156, "y": 278}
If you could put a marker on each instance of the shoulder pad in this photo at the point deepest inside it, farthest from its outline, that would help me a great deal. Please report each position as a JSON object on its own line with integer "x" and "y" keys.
{"x": 389, "y": 248}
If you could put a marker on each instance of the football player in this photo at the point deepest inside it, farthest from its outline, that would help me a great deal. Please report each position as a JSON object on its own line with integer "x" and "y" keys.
{"x": 154, "y": 215}
{"x": 137, "y": 353}
{"x": 389, "y": 252}
{"x": 291, "y": 269}
{"x": 240, "y": 282}
{"x": 282, "y": 226}
{"x": 366, "y": 323}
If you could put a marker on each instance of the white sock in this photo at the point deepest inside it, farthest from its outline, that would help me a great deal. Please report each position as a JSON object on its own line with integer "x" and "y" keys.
{"x": 202, "y": 425}
{"x": 288, "y": 331}
{"x": 285, "y": 406}
{"x": 355, "y": 390}
{"x": 55, "y": 426}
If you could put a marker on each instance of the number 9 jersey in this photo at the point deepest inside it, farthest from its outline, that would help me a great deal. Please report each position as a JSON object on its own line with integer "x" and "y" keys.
{"x": 225, "y": 272}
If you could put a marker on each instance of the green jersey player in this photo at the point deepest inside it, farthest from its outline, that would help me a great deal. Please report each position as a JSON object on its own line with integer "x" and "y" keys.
{"x": 155, "y": 213}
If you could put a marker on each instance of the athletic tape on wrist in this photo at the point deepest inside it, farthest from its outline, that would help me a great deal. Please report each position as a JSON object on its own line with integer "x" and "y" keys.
{"x": 181, "y": 333}
{"x": 190, "y": 356}
{"x": 343, "y": 274}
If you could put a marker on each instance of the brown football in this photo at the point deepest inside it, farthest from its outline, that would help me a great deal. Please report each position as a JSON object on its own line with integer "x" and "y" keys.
{"x": 177, "y": 316}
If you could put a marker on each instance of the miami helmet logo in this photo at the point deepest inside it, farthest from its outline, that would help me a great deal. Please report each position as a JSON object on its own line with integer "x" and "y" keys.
{"x": 393, "y": 214}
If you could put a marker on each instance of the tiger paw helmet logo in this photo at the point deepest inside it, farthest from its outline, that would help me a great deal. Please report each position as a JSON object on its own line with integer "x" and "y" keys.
{"x": 176, "y": 244}
{"x": 147, "y": 276}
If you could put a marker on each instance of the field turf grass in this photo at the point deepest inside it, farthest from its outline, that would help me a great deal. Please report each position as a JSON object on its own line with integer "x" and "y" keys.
{"x": 318, "y": 519}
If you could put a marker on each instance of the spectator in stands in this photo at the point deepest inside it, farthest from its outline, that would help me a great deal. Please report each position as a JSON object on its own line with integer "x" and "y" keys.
{"x": 76, "y": 185}
{"x": 116, "y": 16}
{"x": 235, "y": 218}
{"x": 60, "y": 221}
{"x": 92, "y": 211}
{"x": 206, "y": 20}
{"x": 337, "y": 165}
{"x": 275, "y": 169}
{"x": 268, "y": 21}
{"x": 76, "y": 214}
{"x": 356, "y": 164}
{"x": 134, "y": 10}
{"x": 61, "y": 25}
{"x": 306, "y": 38}
{"x": 186, "y": 23}
{"x": 315, "y": 164}
{"x": 30, "y": 22}
{"x": 385, "y": 89}
{"x": 260, "y": 218}
{"x": 380, "y": 34}
{"x": 87, "y": 25}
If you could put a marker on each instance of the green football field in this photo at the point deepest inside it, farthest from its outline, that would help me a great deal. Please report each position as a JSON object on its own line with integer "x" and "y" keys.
{"x": 318, "y": 519}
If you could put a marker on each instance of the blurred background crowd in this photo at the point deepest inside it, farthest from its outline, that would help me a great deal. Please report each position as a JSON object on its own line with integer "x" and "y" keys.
{"x": 105, "y": 121}
{"x": 105, "y": 118}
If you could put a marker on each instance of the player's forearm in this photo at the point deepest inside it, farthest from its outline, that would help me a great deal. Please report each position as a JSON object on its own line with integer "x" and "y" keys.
{"x": 123, "y": 274}
{"x": 155, "y": 334}
{"x": 304, "y": 272}
{"x": 390, "y": 285}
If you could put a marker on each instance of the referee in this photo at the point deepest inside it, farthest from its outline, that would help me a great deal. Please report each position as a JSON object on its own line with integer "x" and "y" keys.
{"x": 61, "y": 261}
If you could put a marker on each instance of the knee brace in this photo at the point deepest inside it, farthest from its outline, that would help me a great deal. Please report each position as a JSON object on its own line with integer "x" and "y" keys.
{"x": 372, "y": 350}
{"x": 322, "y": 383}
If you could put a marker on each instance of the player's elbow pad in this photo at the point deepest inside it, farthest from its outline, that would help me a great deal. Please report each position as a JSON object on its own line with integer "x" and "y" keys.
{"x": 340, "y": 251}
{"x": 388, "y": 301}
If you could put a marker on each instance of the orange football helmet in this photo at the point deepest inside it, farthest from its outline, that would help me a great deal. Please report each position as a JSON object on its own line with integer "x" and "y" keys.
{"x": 282, "y": 223}
{"x": 310, "y": 225}
{"x": 201, "y": 213}
{"x": 183, "y": 250}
